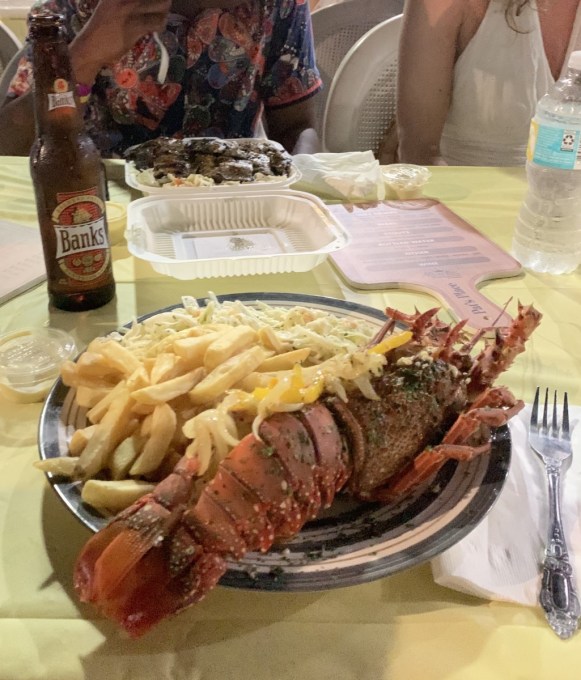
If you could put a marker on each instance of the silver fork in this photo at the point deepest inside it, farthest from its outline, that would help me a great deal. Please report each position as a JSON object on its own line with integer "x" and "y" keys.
{"x": 552, "y": 443}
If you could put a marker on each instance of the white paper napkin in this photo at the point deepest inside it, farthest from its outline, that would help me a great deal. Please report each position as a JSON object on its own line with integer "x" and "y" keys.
{"x": 353, "y": 176}
{"x": 500, "y": 559}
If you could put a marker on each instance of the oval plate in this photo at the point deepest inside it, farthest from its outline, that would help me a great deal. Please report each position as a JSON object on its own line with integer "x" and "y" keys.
{"x": 351, "y": 542}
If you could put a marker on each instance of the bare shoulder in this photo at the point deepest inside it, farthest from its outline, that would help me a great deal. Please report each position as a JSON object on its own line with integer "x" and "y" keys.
{"x": 433, "y": 24}
{"x": 438, "y": 13}
{"x": 456, "y": 20}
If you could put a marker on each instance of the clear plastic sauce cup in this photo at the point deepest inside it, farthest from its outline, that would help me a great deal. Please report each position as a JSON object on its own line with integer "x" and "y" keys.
{"x": 405, "y": 181}
{"x": 30, "y": 360}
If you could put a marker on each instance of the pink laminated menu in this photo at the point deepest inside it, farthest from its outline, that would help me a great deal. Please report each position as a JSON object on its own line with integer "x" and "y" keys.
{"x": 423, "y": 245}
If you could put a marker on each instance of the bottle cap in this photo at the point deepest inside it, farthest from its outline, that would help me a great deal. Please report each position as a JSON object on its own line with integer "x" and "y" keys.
{"x": 575, "y": 60}
{"x": 30, "y": 360}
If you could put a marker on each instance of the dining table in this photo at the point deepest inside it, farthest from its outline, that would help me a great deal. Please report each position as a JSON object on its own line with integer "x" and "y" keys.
{"x": 400, "y": 627}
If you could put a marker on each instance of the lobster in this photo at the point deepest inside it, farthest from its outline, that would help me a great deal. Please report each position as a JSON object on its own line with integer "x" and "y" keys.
{"x": 436, "y": 401}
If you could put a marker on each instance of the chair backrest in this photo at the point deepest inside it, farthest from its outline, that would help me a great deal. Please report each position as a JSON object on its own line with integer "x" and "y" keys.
{"x": 362, "y": 99}
{"x": 8, "y": 73}
{"x": 9, "y": 45}
{"x": 336, "y": 28}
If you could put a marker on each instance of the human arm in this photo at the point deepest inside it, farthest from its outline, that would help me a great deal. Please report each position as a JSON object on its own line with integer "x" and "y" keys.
{"x": 101, "y": 42}
{"x": 291, "y": 80}
{"x": 427, "y": 54}
{"x": 293, "y": 127}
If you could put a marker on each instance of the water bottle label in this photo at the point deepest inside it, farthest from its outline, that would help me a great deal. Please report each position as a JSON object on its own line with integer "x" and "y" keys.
{"x": 554, "y": 146}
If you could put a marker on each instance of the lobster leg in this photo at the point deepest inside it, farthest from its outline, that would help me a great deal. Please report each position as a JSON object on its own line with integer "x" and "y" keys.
{"x": 466, "y": 439}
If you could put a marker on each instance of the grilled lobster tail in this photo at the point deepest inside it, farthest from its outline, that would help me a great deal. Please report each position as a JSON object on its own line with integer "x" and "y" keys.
{"x": 435, "y": 402}
{"x": 162, "y": 554}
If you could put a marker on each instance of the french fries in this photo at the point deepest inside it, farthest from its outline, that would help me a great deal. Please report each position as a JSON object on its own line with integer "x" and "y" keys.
{"x": 113, "y": 496}
{"x": 107, "y": 435}
{"x": 160, "y": 393}
{"x": 227, "y": 345}
{"x": 138, "y": 407}
{"x": 284, "y": 361}
{"x": 227, "y": 374}
{"x": 153, "y": 400}
{"x": 163, "y": 425}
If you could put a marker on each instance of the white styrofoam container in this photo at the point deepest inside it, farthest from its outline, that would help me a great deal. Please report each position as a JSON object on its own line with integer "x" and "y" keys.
{"x": 226, "y": 234}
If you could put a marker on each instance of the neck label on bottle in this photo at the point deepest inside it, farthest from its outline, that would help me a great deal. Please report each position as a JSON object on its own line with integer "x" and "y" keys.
{"x": 62, "y": 97}
{"x": 82, "y": 247}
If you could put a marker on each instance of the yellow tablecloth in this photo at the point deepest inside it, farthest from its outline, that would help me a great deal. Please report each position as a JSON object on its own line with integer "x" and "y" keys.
{"x": 399, "y": 627}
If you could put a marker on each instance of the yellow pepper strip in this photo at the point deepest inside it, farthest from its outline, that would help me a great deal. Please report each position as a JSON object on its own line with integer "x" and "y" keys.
{"x": 297, "y": 393}
{"x": 391, "y": 342}
{"x": 260, "y": 392}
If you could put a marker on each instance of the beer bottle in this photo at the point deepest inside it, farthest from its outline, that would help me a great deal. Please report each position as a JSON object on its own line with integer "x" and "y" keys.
{"x": 68, "y": 178}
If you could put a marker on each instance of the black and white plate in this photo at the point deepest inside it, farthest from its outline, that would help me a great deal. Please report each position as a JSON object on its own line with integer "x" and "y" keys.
{"x": 351, "y": 542}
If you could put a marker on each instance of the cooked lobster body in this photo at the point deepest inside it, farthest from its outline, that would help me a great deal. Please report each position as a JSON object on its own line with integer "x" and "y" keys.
{"x": 435, "y": 402}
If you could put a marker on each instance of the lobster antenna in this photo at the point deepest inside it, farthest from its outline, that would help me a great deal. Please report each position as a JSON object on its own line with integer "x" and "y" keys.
{"x": 503, "y": 310}
{"x": 477, "y": 336}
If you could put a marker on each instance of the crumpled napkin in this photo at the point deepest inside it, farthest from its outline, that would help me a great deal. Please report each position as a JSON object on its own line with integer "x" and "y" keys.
{"x": 353, "y": 176}
{"x": 500, "y": 559}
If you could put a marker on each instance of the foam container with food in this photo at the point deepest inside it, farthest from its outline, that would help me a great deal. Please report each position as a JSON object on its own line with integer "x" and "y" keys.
{"x": 233, "y": 234}
{"x": 166, "y": 152}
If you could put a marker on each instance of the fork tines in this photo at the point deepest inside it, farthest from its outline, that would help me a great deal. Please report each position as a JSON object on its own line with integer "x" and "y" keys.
{"x": 564, "y": 427}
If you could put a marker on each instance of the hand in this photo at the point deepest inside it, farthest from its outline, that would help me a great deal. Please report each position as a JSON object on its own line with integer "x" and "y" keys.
{"x": 112, "y": 30}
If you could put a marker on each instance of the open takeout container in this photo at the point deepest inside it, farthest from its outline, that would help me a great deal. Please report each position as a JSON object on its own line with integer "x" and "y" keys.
{"x": 233, "y": 234}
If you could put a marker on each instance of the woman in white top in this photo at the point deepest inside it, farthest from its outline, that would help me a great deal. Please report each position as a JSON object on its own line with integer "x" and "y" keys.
{"x": 471, "y": 73}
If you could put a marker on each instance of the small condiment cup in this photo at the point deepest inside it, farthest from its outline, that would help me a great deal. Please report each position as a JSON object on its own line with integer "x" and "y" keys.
{"x": 30, "y": 360}
{"x": 116, "y": 222}
{"x": 405, "y": 181}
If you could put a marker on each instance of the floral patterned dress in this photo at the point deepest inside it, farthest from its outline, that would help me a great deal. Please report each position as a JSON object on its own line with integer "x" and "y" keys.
{"x": 225, "y": 67}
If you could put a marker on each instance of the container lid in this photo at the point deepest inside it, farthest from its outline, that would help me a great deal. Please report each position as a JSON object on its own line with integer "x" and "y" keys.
{"x": 30, "y": 360}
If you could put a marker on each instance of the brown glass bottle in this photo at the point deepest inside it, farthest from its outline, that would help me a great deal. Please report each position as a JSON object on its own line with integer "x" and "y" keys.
{"x": 68, "y": 178}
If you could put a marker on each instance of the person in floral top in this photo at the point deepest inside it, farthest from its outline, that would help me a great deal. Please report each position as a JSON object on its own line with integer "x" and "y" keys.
{"x": 232, "y": 63}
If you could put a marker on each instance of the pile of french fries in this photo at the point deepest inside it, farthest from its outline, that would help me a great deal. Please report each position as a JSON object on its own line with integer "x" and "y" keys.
{"x": 141, "y": 409}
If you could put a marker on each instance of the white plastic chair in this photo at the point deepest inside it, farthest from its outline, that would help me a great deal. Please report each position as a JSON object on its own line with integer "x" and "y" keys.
{"x": 336, "y": 28}
{"x": 8, "y": 73}
{"x": 362, "y": 99}
{"x": 9, "y": 45}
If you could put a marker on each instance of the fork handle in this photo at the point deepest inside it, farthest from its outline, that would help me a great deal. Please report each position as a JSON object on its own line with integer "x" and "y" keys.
{"x": 558, "y": 597}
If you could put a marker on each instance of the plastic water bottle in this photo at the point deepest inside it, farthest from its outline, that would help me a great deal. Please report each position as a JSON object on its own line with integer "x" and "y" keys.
{"x": 547, "y": 235}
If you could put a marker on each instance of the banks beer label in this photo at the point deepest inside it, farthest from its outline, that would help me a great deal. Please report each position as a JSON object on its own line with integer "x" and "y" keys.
{"x": 82, "y": 247}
